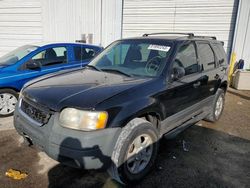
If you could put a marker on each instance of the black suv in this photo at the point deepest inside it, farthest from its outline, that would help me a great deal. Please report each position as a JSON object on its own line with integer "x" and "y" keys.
{"x": 112, "y": 113}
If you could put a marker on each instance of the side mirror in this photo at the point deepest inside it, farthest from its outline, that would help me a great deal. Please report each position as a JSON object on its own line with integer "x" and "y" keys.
{"x": 33, "y": 65}
{"x": 178, "y": 72}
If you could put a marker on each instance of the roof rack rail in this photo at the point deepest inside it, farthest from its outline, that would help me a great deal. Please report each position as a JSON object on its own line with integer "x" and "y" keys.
{"x": 168, "y": 33}
{"x": 212, "y": 37}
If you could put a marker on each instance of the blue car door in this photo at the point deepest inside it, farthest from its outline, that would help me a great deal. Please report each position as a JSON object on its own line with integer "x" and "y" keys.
{"x": 52, "y": 59}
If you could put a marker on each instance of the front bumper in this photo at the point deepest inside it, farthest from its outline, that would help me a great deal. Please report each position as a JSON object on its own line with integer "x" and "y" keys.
{"x": 87, "y": 150}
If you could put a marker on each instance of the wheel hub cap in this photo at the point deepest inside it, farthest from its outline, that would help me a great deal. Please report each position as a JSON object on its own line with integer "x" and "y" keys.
{"x": 7, "y": 103}
{"x": 219, "y": 106}
{"x": 139, "y": 153}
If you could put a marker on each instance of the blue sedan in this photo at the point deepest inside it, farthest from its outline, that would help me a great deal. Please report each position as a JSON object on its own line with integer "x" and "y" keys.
{"x": 31, "y": 61}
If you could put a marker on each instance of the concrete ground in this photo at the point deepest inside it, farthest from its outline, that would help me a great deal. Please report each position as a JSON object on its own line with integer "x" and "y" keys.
{"x": 214, "y": 155}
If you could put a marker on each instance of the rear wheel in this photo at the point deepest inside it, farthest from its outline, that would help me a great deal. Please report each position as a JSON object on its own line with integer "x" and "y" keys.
{"x": 135, "y": 151}
{"x": 218, "y": 106}
{"x": 8, "y": 100}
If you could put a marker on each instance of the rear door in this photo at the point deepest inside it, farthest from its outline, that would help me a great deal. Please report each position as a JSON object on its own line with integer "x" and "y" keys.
{"x": 83, "y": 55}
{"x": 209, "y": 68}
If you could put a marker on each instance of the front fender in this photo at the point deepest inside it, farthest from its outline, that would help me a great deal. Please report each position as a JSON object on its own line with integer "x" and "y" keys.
{"x": 136, "y": 108}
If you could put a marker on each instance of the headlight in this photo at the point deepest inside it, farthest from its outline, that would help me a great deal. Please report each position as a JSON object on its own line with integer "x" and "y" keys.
{"x": 83, "y": 120}
{"x": 21, "y": 94}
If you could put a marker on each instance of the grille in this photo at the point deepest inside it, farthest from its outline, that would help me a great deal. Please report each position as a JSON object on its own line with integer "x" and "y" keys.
{"x": 40, "y": 116}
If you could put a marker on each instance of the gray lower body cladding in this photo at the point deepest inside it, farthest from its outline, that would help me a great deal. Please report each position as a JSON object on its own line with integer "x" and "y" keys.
{"x": 87, "y": 150}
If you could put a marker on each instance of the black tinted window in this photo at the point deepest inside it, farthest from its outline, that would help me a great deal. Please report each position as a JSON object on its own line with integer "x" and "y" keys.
{"x": 82, "y": 53}
{"x": 220, "y": 54}
{"x": 186, "y": 58}
{"x": 206, "y": 56}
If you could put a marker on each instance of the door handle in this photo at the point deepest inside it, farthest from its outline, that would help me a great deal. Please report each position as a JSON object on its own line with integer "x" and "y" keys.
{"x": 217, "y": 77}
{"x": 197, "y": 84}
{"x": 223, "y": 68}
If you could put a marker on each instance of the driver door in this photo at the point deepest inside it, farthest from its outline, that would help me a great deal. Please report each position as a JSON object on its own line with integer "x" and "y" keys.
{"x": 186, "y": 91}
{"x": 50, "y": 60}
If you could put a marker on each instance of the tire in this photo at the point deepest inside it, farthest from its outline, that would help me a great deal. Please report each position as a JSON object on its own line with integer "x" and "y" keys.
{"x": 130, "y": 170}
{"x": 214, "y": 115}
{"x": 8, "y": 100}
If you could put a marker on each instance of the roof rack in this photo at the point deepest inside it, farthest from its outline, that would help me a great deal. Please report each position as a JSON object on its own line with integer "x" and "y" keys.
{"x": 168, "y": 33}
{"x": 212, "y": 37}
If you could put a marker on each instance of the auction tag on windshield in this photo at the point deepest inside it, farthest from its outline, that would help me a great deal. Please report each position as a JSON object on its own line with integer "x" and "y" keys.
{"x": 158, "y": 47}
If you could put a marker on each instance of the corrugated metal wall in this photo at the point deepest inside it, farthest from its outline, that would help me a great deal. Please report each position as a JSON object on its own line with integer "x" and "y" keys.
{"x": 66, "y": 20}
{"x": 242, "y": 34}
{"x": 213, "y": 17}
{"x": 30, "y": 21}
{"x": 20, "y": 23}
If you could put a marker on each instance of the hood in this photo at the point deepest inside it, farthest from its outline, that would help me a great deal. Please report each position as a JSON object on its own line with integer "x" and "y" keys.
{"x": 82, "y": 89}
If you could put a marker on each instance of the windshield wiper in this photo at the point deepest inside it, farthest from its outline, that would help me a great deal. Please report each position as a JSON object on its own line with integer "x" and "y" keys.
{"x": 94, "y": 67}
{"x": 116, "y": 71}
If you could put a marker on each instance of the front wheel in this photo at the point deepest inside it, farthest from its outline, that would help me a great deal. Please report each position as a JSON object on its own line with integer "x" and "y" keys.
{"x": 8, "y": 100}
{"x": 135, "y": 151}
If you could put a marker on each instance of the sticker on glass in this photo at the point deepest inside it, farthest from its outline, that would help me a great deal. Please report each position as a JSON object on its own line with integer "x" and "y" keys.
{"x": 159, "y": 47}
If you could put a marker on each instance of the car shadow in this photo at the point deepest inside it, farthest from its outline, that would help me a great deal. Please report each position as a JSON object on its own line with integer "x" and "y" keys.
{"x": 238, "y": 94}
{"x": 198, "y": 157}
{"x": 71, "y": 174}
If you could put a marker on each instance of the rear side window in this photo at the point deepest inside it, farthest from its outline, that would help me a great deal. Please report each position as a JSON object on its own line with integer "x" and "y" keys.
{"x": 206, "y": 56}
{"x": 82, "y": 53}
{"x": 220, "y": 54}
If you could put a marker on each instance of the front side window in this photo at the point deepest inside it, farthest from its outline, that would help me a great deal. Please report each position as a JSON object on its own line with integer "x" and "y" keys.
{"x": 206, "y": 56}
{"x": 51, "y": 56}
{"x": 134, "y": 57}
{"x": 186, "y": 59}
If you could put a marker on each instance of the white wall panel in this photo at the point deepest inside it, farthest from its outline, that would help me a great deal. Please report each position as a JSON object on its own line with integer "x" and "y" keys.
{"x": 20, "y": 23}
{"x": 214, "y": 17}
{"x": 31, "y": 21}
{"x": 71, "y": 19}
{"x": 111, "y": 21}
{"x": 242, "y": 33}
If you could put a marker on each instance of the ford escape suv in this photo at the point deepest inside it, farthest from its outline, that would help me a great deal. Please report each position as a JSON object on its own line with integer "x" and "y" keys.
{"x": 112, "y": 113}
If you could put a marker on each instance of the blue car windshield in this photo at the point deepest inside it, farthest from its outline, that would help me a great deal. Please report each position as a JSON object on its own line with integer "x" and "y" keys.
{"x": 144, "y": 58}
{"x": 15, "y": 55}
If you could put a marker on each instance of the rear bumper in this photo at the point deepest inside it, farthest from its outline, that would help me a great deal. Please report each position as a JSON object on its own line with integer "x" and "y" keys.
{"x": 87, "y": 150}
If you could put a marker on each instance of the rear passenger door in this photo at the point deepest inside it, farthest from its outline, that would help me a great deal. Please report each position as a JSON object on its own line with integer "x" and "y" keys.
{"x": 209, "y": 69}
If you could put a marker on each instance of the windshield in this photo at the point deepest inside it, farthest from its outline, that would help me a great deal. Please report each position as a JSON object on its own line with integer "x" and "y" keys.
{"x": 134, "y": 58}
{"x": 14, "y": 56}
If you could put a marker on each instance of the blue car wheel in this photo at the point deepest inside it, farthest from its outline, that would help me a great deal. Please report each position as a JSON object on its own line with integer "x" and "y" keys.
{"x": 8, "y": 100}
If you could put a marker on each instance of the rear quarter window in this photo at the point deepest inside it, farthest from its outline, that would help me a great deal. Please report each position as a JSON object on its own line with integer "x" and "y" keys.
{"x": 220, "y": 54}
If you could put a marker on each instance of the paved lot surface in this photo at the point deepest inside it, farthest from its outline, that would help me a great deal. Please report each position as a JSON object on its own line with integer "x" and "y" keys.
{"x": 215, "y": 155}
